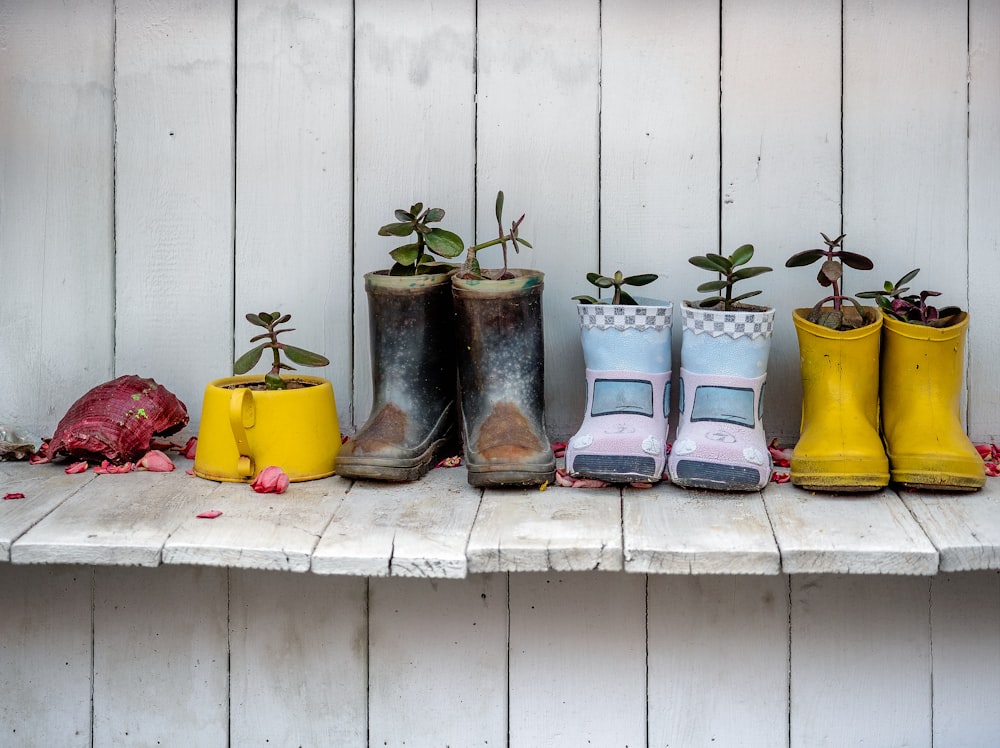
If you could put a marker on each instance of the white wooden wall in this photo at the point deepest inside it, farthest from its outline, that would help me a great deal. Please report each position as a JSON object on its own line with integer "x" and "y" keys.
{"x": 169, "y": 165}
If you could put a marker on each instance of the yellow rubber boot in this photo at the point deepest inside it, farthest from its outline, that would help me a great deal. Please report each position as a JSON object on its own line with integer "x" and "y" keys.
{"x": 921, "y": 392}
{"x": 839, "y": 448}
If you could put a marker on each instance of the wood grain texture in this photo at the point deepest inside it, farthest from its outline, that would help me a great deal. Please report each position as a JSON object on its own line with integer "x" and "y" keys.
{"x": 56, "y": 207}
{"x": 406, "y": 529}
{"x": 697, "y": 532}
{"x": 161, "y": 656}
{"x": 860, "y": 661}
{"x": 173, "y": 281}
{"x": 559, "y": 697}
{"x": 538, "y": 140}
{"x": 294, "y": 176}
{"x": 965, "y": 529}
{"x": 414, "y": 137}
{"x": 437, "y": 661}
{"x": 984, "y": 218}
{"x": 298, "y": 660}
{"x": 844, "y": 534}
{"x": 718, "y": 660}
{"x": 45, "y": 655}
{"x": 781, "y": 161}
{"x": 557, "y": 529}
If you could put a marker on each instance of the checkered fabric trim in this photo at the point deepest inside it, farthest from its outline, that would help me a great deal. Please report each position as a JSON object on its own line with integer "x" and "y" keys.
{"x": 732, "y": 324}
{"x": 605, "y": 317}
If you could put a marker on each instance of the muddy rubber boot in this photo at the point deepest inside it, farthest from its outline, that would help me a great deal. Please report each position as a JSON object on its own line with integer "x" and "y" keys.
{"x": 720, "y": 440}
{"x": 624, "y": 432}
{"x": 413, "y": 422}
{"x": 839, "y": 448}
{"x": 921, "y": 386}
{"x": 501, "y": 373}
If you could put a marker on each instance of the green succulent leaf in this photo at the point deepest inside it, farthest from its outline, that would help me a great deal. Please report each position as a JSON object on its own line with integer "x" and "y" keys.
{"x": 406, "y": 255}
{"x": 743, "y": 296}
{"x": 905, "y": 279}
{"x": 742, "y": 255}
{"x": 744, "y": 273}
{"x": 801, "y": 259}
{"x": 641, "y": 280}
{"x": 499, "y": 207}
{"x": 255, "y": 319}
{"x": 710, "y": 262}
{"x": 710, "y": 302}
{"x": 444, "y": 243}
{"x": 600, "y": 281}
{"x": 402, "y": 215}
{"x": 716, "y": 285}
{"x": 525, "y": 242}
{"x": 305, "y": 358}
{"x": 415, "y": 209}
{"x": 397, "y": 229}
{"x": 584, "y": 299}
{"x": 624, "y": 297}
{"x": 434, "y": 214}
{"x": 274, "y": 382}
{"x": 249, "y": 359}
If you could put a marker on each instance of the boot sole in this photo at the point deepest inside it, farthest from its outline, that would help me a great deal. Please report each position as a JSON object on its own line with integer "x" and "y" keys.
{"x": 841, "y": 483}
{"x": 485, "y": 476}
{"x": 394, "y": 469}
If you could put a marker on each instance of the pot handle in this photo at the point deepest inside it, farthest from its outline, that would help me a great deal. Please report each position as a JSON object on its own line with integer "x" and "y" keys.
{"x": 241, "y": 418}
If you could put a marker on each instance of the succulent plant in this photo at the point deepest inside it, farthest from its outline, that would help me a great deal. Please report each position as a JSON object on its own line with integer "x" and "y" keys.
{"x": 471, "y": 267}
{"x": 831, "y": 275}
{"x": 617, "y": 281}
{"x": 913, "y": 307}
{"x": 270, "y": 321}
{"x": 732, "y": 271}
{"x": 411, "y": 259}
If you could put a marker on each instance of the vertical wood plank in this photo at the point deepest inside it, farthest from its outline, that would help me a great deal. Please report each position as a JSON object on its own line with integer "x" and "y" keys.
{"x": 294, "y": 175}
{"x": 56, "y": 244}
{"x": 860, "y": 669}
{"x": 174, "y": 94}
{"x": 718, "y": 661}
{"x": 984, "y": 218}
{"x": 577, "y": 659}
{"x": 538, "y": 140}
{"x": 659, "y": 199}
{"x": 780, "y": 164}
{"x": 414, "y": 136}
{"x": 905, "y": 143}
{"x": 161, "y": 656}
{"x": 965, "y": 610}
{"x": 299, "y": 659}
{"x": 45, "y": 650}
{"x": 438, "y": 655}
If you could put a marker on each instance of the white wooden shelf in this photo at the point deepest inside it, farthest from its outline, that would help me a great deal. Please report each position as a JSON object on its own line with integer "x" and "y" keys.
{"x": 440, "y": 527}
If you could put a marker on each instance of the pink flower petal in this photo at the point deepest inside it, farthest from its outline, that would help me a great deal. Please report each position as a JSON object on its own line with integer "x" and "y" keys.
{"x": 107, "y": 468}
{"x": 559, "y": 449}
{"x": 450, "y": 462}
{"x": 777, "y": 477}
{"x": 156, "y": 461}
{"x": 77, "y": 467}
{"x": 210, "y": 514}
{"x": 191, "y": 447}
{"x": 992, "y": 469}
{"x": 780, "y": 457}
{"x": 9, "y": 496}
{"x": 271, "y": 479}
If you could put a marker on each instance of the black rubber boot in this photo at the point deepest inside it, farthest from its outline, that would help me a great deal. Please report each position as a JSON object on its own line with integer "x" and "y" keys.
{"x": 501, "y": 373}
{"x": 413, "y": 422}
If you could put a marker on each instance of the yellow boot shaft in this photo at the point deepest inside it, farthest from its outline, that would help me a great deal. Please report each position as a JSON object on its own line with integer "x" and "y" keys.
{"x": 921, "y": 386}
{"x": 839, "y": 448}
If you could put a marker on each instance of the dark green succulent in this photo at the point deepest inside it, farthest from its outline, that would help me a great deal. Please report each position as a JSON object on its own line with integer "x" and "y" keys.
{"x": 894, "y": 302}
{"x": 732, "y": 271}
{"x": 830, "y": 275}
{"x": 270, "y": 321}
{"x": 412, "y": 259}
{"x": 617, "y": 281}
{"x": 471, "y": 268}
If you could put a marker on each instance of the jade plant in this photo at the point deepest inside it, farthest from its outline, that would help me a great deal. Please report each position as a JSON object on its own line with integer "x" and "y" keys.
{"x": 732, "y": 271}
{"x": 412, "y": 258}
{"x": 896, "y": 303}
{"x": 270, "y": 321}
{"x": 617, "y": 281}
{"x": 831, "y": 274}
{"x": 471, "y": 268}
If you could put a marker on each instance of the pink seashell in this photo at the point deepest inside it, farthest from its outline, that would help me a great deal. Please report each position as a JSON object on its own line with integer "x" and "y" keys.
{"x": 270, "y": 480}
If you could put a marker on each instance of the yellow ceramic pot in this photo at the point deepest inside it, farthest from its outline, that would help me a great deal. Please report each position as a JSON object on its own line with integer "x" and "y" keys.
{"x": 244, "y": 430}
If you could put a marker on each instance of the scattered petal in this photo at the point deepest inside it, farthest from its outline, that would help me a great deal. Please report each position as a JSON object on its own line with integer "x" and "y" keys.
{"x": 210, "y": 514}
{"x": 189, "y": 471}
{"x": 191, "y": 447}
{"x": 567, "y": 481}
{"x": 271, "y": 479}
{"x": 667, "y": 448}
{"x": 344, "y": 438}
{"x": 156, "y": 462}
{"x": 985, "y": 450}
{"x": 77, "y": 467}
{"x": 107, "y": 468}
{"x": 780, "y": 457}
{"x": 39, "y": 458}
{"x": 781, "y": 477}
{"x": 640, "y": 484}
{"x": 9, "y": 496}
{"x": 450, "y": 462}
{"x": 992, "y": 469}
{"x": 559, "y": 449}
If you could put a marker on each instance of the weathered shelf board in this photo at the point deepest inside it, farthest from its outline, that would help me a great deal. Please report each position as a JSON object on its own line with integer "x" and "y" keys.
{"x": 670, "y": 530}
{"x": 258, "y": 531}
{"x": 558, "y": 529}
{"x": 43, "y": 489}
{"x": 847, "y": 534}
{"x": 965, "y": 528}
{"x": 115, "y": 519}
{"x": 408, "y": 529}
